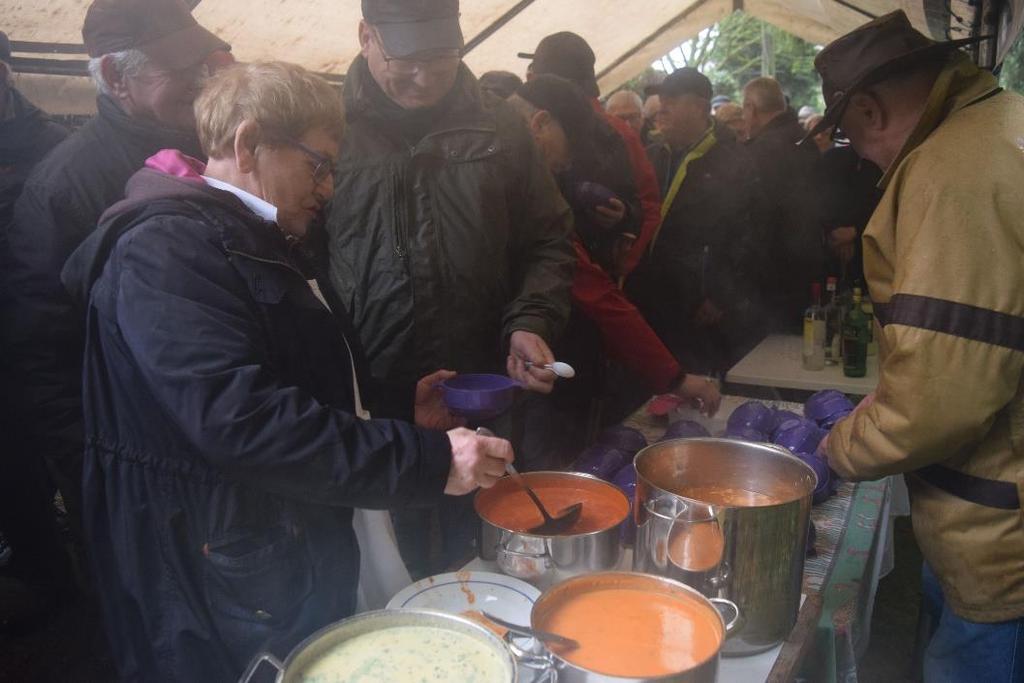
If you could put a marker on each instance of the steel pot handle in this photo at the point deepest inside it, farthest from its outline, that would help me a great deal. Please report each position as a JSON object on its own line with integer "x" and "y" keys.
{"x": 721, "y": 577}
{"x": 503, "y": 547}
{"x": 544, "y": 663}
{"x": 254, "y": 665}
{"x": 724, "y": 607}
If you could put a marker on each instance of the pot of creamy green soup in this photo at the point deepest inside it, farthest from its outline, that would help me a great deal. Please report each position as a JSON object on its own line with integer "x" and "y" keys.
{"x": 399, "y": 646}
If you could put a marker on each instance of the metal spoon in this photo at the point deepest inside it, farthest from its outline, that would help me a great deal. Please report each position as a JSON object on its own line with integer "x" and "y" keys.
{"x": 552, "y": 525}
{"x": 563, "y": 370}
{"x": 545, "y": 636}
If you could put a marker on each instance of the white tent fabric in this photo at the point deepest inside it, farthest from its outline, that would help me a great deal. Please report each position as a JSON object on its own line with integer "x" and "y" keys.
{"x": 627, "y": 35}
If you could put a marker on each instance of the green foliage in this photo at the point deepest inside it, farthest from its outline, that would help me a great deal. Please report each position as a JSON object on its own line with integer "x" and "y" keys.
{"x": 730, "y": 54}
{"x": 1012, "y": 75}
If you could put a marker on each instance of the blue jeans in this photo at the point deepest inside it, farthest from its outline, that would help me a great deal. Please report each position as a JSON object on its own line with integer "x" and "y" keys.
{"x": 966, "y": 651}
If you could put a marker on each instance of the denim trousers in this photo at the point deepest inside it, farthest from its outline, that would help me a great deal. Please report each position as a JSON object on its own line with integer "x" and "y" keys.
{"x": 966, "y": 651}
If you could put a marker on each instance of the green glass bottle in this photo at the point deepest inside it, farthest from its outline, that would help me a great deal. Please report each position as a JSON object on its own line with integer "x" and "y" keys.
{"x": 855, "y": 339}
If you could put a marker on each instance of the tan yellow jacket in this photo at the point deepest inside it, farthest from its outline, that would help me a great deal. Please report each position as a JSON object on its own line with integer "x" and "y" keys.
{"x": 944, "y": 257}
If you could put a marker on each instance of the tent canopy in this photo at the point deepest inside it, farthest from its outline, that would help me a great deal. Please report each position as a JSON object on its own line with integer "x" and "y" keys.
{"x": 626, "y": 35}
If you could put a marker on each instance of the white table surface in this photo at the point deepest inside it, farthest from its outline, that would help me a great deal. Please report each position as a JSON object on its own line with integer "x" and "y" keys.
{"x": 777, "y": 362}
{"x": 750, "y": 669}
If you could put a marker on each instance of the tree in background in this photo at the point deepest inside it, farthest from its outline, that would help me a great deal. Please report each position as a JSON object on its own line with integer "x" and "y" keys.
{"x": 731, "y": 52}
{"x": 1012, "y": 74}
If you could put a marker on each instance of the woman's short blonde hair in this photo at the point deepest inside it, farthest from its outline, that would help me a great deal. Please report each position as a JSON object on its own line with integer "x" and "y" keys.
{"x": 284, "y": 100}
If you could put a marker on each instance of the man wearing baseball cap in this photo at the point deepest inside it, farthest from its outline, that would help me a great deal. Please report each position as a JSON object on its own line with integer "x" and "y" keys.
{"x": 146, "y": 57}
{"x": 605, "y": 324}
{"x": 568, "y": 55}
{"x": 944, "y": 258}
{"x": 447, "y": 237}
{"x": 694, "y": 285}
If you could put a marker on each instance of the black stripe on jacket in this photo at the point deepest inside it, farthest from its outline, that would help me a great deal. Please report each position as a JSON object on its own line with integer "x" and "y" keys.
{"x": 950, "y": 317}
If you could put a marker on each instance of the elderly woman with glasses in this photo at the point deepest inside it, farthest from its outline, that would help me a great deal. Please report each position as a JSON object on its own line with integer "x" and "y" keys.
{"x": 225, "y": 396}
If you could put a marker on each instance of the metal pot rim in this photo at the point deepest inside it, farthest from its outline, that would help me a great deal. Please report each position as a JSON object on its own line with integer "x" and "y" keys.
{"x": 690, "y": 591}
{"x": 314, "y": 637}
{"x": 776, "y": 450}
{"x": 579, "y": 475}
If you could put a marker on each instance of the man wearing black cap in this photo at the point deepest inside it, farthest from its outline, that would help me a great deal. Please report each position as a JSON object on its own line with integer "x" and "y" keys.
{"x": 568, "y": 55}
{"x": 944, "y": 257}
{"x": 695, "y": 283}
{"x": 448, "y": 239}
{"x": 146, "y": 57}
{"x": 605, "y": 324}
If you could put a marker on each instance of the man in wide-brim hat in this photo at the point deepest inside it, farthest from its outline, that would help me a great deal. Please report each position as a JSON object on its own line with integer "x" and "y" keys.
{"x": 944, "y": 259}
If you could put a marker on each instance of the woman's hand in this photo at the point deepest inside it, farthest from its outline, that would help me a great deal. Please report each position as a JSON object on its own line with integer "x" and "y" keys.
{"x": 703, "y": 391}
{"x": 477, "y": 461}
{"x": 430, "y": 410}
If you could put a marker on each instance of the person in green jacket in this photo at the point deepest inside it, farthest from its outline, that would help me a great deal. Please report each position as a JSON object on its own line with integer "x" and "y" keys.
{"x": 448, "y": 240}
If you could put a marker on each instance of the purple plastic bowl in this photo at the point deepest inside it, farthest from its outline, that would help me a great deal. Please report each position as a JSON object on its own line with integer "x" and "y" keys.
{"x": 479, "y": 396}
{"x": 684, "y": 429}
{"x": 625, "y": 479}
{"x": 831, "y": 422}
{"x": 591, "y": 195}
{"x": 799, "y": 436}
{"x": 751, "y": 415}
{"x": 825, "y": 487}
{"x": 623, "y": 438}
{"x": 823, "y": 405}
{"x": 746, "y": 434}
{"x": 601, "y": 461}
{"x": 783, "y": 416}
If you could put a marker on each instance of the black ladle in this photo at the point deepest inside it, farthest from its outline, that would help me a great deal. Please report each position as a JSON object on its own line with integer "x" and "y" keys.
{"x": 552, "y": 525}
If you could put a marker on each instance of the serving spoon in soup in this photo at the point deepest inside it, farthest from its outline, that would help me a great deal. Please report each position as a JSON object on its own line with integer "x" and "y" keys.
{"x": 552, "y": 524}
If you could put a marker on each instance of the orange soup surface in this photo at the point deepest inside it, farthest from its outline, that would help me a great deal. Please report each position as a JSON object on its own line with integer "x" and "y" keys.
{"x": 603, "y": 507}
{"x": 635, "y": 633}
{"x": 727, "y": 495}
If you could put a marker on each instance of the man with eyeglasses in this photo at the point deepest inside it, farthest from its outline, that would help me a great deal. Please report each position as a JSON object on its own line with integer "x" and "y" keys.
{"x": 147, "y": 58}
{"x": 448, "y": 239}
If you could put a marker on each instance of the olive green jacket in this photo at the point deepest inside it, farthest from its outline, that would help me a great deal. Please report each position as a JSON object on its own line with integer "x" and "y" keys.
{"x": 441, "y": 247}
{"x": 944, "y": 257}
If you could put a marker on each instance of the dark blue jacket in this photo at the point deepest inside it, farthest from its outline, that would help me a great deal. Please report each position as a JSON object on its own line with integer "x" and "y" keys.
{"x": 222, "y": 453}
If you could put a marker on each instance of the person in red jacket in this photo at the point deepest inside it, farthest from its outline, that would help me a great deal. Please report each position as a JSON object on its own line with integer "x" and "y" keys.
{"x": 562, "y": 124}
{"x": 568, "y": 55}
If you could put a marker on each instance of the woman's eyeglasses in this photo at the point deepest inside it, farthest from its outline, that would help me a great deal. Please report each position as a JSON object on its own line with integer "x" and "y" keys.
{"x": 322, "y": 166}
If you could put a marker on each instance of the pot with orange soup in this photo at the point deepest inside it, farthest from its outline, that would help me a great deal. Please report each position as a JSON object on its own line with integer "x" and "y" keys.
{"x": 591, "y": 544}
{"x": 728, "y": 518}
{"x": 632, "y": 628}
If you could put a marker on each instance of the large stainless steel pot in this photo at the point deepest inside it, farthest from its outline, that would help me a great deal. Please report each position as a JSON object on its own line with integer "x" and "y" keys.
{"x": 560, "y": 670}
{"x": 546, "y": 560}
{"x": 320, "y": 643}
{"x": 762, "y": 558}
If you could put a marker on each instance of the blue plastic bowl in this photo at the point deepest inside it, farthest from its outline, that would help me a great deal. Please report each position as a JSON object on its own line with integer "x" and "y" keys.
{"x": 824, "y": 405}
{"x": 623, "y": 438}
{"x": 479, "y": 396}
{"x": 799, "y": 436}
{"x": 684, "y": 429}
{"x": 752, "y": 415}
